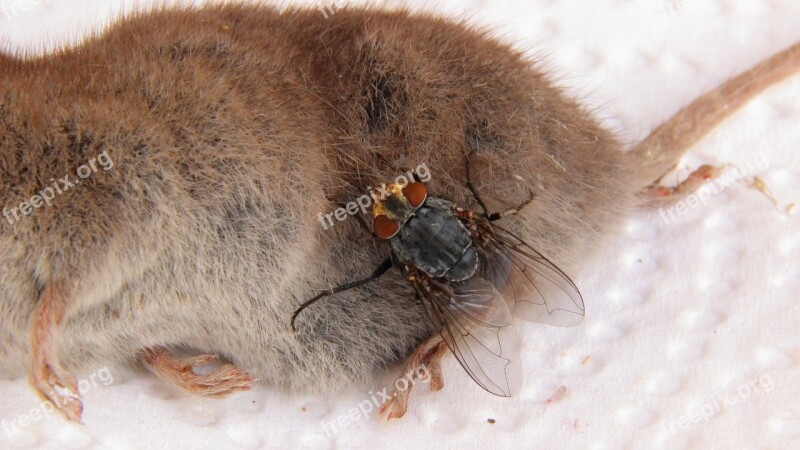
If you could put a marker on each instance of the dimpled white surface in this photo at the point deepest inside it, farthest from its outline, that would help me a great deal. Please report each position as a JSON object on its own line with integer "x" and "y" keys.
{"x": 690, "y": 338}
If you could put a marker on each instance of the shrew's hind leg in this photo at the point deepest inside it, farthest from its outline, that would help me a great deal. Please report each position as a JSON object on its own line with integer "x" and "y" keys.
{"x": 424, "y": 363}
{"x": 657, "y": 195}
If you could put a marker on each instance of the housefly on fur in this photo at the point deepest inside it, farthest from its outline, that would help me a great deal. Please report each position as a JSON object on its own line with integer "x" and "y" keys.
{"x": 472, "y": 276}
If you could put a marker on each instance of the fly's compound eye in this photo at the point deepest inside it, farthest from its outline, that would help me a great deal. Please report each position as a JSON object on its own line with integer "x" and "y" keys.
{"x": 384, "y": 227}
{"x": 415, "y": 193}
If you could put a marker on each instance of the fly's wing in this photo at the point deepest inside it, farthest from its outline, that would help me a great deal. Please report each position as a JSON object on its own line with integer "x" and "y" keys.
{"x": 537, "y": 290}
{"x": 476, "y": 324}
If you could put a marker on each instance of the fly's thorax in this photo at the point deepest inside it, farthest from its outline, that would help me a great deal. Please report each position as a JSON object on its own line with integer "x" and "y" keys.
{"x": 435, "y": 241}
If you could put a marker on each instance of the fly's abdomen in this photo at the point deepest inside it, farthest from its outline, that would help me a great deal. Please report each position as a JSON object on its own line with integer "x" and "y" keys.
{"x": 435, "y": 241}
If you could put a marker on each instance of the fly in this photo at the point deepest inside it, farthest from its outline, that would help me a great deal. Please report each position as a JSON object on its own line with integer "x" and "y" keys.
{"x": 472, "y": 276}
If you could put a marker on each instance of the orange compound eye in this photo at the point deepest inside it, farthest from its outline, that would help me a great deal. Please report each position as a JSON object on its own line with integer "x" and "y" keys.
{"x": 384, "y": 227}
{"x": 415, "y": 193}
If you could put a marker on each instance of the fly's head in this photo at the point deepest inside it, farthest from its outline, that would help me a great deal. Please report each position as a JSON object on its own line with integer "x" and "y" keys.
{"x": 391, "y": 211}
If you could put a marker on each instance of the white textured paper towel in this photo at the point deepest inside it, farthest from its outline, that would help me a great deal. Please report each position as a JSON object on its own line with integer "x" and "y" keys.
{"x": 691, "y": 333}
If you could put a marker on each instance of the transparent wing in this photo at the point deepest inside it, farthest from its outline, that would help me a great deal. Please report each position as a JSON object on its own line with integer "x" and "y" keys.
{"x": 537, "y": 290}
{"x": 476, "y": 324}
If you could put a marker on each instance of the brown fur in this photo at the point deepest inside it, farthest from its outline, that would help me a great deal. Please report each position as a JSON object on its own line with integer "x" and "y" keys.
{"x": 230, "y": 129}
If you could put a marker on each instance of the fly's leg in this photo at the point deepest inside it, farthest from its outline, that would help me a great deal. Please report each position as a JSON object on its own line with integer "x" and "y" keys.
{"x": 382, "y": 269}
{"x": 179, "y": 372}
{"x": 423, "y": 364}
{"x": 490, "y": 216}
{"x": 509, "y": 212}
{"x": 49, "y": 379}
{"x": 471, "y": 185}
